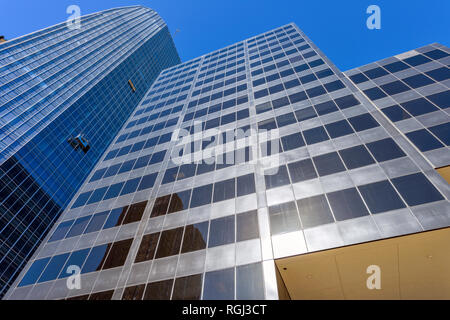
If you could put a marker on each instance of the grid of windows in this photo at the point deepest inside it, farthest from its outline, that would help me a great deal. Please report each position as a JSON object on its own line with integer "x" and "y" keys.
{"x": 337, "y": 167}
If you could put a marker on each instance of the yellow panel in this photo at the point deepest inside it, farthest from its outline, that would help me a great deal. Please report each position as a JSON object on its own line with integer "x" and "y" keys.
{"x": 412, "y": 267}
{"x": 445, "y": 173}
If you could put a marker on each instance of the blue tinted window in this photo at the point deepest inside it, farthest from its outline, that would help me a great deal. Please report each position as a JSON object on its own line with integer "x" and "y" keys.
{"x": 302, "y": 170}
{"x": 76, "y": 259}
{"x": 314, "y": 211}
{"x": 419, "y": 106}
{"x": 201, "y": 196}
{"x": 339, "y": 129}
{"x": 396, "y": 113}
{"x": 381, "y": 197}
{"x": 315, "y": 135}
{"x": 363, "y": 122}
{"x": 219, "y": 285}
{"x": 328, "y": 164}
{"x": 34, "y": 272}
{"x": 97, "y": 222}
{"x": 78, "y": 227}
{"x": 416, "y": 189}
{"x": 424, "y": 140}
{"x": 222, "y": 232}
{"x": 54, "y": 268}
{"x": 279, "y": 178}
{"x": 384, "y": 150}
{"x": 293, "y": 141}
{"x": 95, "y": 260}
{"x": 347, "y": 204}
{"x": 130, "y": 186}
{"x": 442, "y": 131}
{"x": 114, "y": 191}
{"x": 61, "y": 231}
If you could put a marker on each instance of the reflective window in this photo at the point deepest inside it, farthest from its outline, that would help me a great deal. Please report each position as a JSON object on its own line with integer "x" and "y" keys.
{"x": 115, "y": 218}
{"x": 246, "y": 185}
{"x": 305, "y": 114}
{"x": 201, "y": 196}
{"x": 76, "y": 259}
{"x": 284, "y": 218}
{"x": 61, "y": 231}
{"x": 159, "y": 290}
{"x": 224, "y": 190}
{"x": 54, "y": 268}
{"x": 347, "y": 204}
{"x": 442, "y": 131}
{"x": 118, "y": 254}
{"x": 424, "y": 140}
{"x": 325, "y": 108}
{"x": 328, "y": 164}
{"x": 147, "y": 247}
{"x": 293, "y": 141}
{"x": 419, "y": 106}
{"x": 346, "y": 102}
{"x": 416, "y": 189}
{"x": 314, "y": 211}
{"x": 302, "y": 170}
{"x": 356, "y": 157}
{"x": 195, "y": 237}
{"x": 384, "y": 150}
{"x": 160, "y": 207}
{"x": 34, "y": 272}
{"x": 247, "y": 226}
{"x": 315, "y": 135}
{"x": 396, "y": 113}
{"x": 339, "y": 129}
{"x": 134, "y": 293}
{"x": 135, "y": 212}
{"x": 188, "y": 288}
{"x": 363, "y": 122}
{"x": 381, "y": 197}
{"x": 250, "y": 282}
{"x": 95, "y": 260}
{"x": 179, "y": 201}
{"x": 219, "y": 285}
{"x": 222, "y": 232}
{"x": 78, "y": 227}
{"x": 170, "y": 243}
{"x": 277, "y": 178}
{"x": 97, "y": 222}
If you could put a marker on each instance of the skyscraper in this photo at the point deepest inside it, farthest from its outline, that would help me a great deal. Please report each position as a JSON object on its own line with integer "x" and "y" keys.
{"x": 259, "y": 171}
{"x": 65, "y": 93}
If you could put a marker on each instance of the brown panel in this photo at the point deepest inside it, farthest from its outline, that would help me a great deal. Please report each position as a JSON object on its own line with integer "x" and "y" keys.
{"x": 85, "y": 297}
{"x": 134, "y": 293}
{"x": 188, "y": 288}
{"x": 135, "y": 212}
{"x": 159, "y": 290}
{"x": 147, "y": 248}
{"x": 122, "y": 216}
{"x": 118, "y": 254}
{"x": 445, "y": 173}
{"x": 160, "y": 207}
{"x": 170, "y": 243}
{"x": 106, "y": 295}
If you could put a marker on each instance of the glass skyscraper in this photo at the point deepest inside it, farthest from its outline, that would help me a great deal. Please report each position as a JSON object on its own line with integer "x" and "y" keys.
{"x": 64, "y": 95}
{"x": 240, "y": 171}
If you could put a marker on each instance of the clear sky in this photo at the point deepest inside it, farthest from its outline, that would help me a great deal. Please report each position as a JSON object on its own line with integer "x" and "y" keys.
{"x": 337, "y": 27}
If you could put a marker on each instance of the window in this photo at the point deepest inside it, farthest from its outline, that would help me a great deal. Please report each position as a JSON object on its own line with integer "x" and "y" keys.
{"x": 188, "y": 288}
{"x": 419, "y": 106}
{"x": 416, "y": 189}
{"x": 76, "y": 259}
{"x": 169, "y": 243}
{"x": 346, "y": 102}
{"x": 147, "y": 248}
{"x": 394, "y": 87}
{"x": 396, "y": 113}
{"x": 249, "y": 282}
{"x": 305, "y": 114}
{"x": 279, "y": 103}
{"x": 201, "y": 196}
{"x": 440, "y": 74}
{"x": 424, "y": 140}
{"x": 297, "y": 97}
{"x": 118, "y": 254}
{"x": 280, "y": 178}
{"x": 315, "y": 92}
{"x": 247, "y": 226}
{"x": 97, "y": 222}
{"x": 219, "y": 285}
{"x": 417, "y": 60}
{"x": 97, "y": 195}
{"x": 441, "y": 99}
{"x": 246, "y": 185}
{"x": 179, "y": 201}
{"x": 302, "y": 171}
{"x": 315, "y": 135}
{"x": 384, "y": 150}
{"x": 356, "y": 157}
{"x": 222, "y": 232}
{"x": 286, "y": 119}
{"x": 442, "y": 131}
{"x": 61, "y": 231}
{"x": 224, "y": 190}
{"x": 314, "y": 211}
{"x": 381, "y": 197}
{"x": 418, "y": 80}
{"x": 396, "y": 66}
{"x": 159, "y": 290}
{"x": 374, "y": 93}
{"x": 375, "y": 73}
{"x": 114, "y": 191}
{"x": 195, "y": 237}
{"x": 53, "y": 268}
{"x": 328, "y": 164}
{"x": 325, "y": 108}
{"x": 264, "y": 107}
{"x": 292, "y": 141}
{"x": 347, "y": 204}
{"x": 78, "y": 227}
{"x": 130, "y": 186}
{"x": 115, "y": 218}
{"x": 147, "y": 181}
{"x": 267, "y": 125}
{"x": 339, "y": 129}
{"x": 95, "y": 260}
{"x": 34, "y": 272}
{"x": 284, "y": 218}
{"x": 135, "y": 212}
{"x": 363, "y": 122}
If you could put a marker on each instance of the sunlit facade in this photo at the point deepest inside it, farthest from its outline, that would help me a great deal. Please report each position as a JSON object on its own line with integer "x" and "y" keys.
{"x": 312, "y": 165}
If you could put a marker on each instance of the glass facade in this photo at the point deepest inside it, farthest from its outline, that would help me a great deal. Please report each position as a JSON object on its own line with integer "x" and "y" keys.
{"x": 259, "y": 151}
{"x": 58, "y": 85}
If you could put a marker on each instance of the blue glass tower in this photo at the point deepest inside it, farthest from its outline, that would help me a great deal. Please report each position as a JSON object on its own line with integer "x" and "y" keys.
{"x": 64, "y": 95}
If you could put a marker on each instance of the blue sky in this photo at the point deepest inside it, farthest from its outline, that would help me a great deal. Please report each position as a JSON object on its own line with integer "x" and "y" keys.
{"x": 336, "y": 27}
